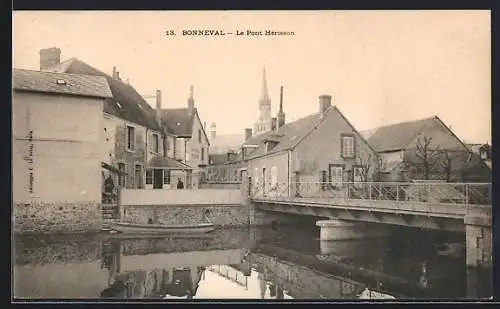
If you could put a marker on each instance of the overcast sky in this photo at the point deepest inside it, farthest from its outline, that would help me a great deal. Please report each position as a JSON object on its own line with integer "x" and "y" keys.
{"x": 381, "y": 67}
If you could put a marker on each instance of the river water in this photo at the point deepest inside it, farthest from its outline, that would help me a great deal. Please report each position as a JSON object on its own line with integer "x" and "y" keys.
{"x": 259, "y": 263}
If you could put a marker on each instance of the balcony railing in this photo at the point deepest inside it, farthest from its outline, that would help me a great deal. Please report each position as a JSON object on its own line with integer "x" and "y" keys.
{"x": 422, "y": 192}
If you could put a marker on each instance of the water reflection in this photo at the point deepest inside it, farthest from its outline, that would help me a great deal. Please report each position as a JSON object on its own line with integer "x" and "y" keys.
{"x": 249, "y": 264}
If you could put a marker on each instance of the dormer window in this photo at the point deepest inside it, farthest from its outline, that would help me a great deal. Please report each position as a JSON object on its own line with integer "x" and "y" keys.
{"x": 270, "y": 145}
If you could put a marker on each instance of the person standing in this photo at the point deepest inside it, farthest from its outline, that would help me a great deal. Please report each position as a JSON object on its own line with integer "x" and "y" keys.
{"x": 180, "y": 184}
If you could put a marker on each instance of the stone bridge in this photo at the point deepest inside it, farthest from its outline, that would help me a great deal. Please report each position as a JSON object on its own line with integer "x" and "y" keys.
{"x": 460, "y": 207}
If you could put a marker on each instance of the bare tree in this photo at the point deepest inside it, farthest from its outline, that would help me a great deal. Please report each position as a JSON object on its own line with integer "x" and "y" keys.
{"x": 369, "y": 165}
{"x": 425, "y": 157}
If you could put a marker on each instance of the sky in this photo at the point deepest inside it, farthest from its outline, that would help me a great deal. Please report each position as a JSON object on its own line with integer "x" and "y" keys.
{"x": 380, "y": 67}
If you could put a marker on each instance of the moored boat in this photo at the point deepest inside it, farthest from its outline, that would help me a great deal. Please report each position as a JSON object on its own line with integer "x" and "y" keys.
{"x": 137, "y": 228}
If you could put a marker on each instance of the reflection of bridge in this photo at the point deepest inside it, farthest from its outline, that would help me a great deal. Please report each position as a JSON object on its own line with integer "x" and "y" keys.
{"x": 306, "y": 276}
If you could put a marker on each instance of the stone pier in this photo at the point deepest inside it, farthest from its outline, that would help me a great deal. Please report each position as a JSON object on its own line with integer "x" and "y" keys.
{"x": 335, "y": 229}
{"x": 478, "y": 241}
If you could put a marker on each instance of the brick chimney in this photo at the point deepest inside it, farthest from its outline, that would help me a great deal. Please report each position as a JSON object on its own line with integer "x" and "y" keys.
{"x": 191, "y": 101}
{"x": 49, "y": 57}
{"x": 325, "y": 101}
{"x": 281, "y": 113}
{"x": 158, "y": 107}
{"x": 213, "y": 131}
{"x": 248, "y": 134}
{"x": 274, "y": 123}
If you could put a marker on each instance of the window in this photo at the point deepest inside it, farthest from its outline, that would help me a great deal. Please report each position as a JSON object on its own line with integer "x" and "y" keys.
{"x": 121, "y": 179}
{"x": 202, "y": 154}
{"x": 256, "y": 175}
{"x": 155, "y": 145}
{"x": 274, "y": 176}
{"x": 138, "y": 177}
{"x": 149, "y": 176}
{"x": 199, "y": 136}
{"x": 166, "y": 177}
{"x": 358, "y": 174}
{"x": 188, "y": 151}
{"x": 336, "y": 172}
{"x": 130, "y": 138}
{"x": 347, "y": 145}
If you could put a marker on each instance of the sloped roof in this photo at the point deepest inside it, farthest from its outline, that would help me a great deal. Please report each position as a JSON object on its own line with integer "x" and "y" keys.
{"x": 286, "y": 136}
{"x": 178, "y": 121}
{"x": 217, "y": 158}
{"x": 397, "y": 136}
{"x": 126, "y": 102}
{"x": 74, "y": 84}
{"x": 225, "y": 142}
{"x": 167, "y": 163}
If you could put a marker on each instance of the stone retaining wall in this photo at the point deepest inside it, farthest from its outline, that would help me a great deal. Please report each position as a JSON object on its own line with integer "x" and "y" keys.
{"x": 45, "y": 218}
{"x": 221, "y": 216}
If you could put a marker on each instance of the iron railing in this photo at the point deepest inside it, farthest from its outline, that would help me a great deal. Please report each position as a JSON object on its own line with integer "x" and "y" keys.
{"x": 422, "y": 192}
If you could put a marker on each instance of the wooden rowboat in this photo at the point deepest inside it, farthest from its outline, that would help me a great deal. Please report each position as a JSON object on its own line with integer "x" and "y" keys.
{"x": 135, "y": 228}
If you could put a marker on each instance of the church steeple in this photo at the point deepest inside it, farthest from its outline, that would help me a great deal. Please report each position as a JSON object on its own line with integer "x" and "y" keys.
{"x": 264, "y": 94}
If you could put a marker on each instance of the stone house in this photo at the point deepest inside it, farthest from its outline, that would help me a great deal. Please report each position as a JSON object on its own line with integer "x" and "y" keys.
{"x": 186, "y": 140}
{"x": 421, "y": 149}
{"x": 56, "y": 158}
{"x": 132, "y": 139}
{"x": 322, "y": 148}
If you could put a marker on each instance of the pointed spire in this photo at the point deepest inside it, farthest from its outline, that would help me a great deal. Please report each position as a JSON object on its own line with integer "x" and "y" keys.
{"x": 264, "y": 96}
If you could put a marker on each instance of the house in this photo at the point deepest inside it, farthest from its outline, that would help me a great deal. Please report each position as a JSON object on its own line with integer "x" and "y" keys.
{"x": 479, "y": 168}
{"x": 186, "y": 139}
{"x": 224, "y": 143}
{"x": 132, "y": 139}
{"x": 420, "y": 149}
{"x": 323, "y": 147}
{"x": 57, "y": 120}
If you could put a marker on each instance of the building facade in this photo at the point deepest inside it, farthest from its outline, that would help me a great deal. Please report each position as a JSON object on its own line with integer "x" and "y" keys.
{"x": 186, "y": 140}
{"x": 320, "y": 148}
{"x": 131, "y": 133}
{"x": 56, "y": 137}
{"x": 420, "y": 150}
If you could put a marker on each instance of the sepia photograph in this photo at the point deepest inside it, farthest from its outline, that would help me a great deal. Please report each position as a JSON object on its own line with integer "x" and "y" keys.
{"x": 251, "y": 155}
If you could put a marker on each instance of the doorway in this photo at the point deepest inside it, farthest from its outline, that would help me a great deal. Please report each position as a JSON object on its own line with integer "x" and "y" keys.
{"x": 157, "y": 179}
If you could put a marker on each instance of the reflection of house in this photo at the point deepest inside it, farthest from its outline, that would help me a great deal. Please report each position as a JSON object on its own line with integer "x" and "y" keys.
{"x": 424, "y": 148}
{"x": 56, "y": 131}
{"x": 322, "y": 147}
{"x": 186, "y": 139}
{"x": 131, "y": 133}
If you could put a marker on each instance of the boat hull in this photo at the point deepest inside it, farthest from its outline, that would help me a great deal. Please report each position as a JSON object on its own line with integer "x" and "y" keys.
{"x": 157, "y": 229}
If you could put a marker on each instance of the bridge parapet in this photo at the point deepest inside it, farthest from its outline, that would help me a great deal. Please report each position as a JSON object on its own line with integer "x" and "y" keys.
{"x": 420, "y": 192}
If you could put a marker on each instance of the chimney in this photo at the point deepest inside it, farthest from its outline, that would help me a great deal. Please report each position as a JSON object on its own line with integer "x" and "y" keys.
{"x": 118, "y": 75}
{"x": 114, "y": 73}
{"x": 325, "y": 101}
{"x": 281, "y": 114}
{"x": 273, "y": 124}
{"x": 49, "y": 57}
{"x": 158, "y": 107}
{"x": 248, "y": 134}
{"x": 204, "y": 125}
{"x": 191, "y": 101}
{"x": 213, "y": 129}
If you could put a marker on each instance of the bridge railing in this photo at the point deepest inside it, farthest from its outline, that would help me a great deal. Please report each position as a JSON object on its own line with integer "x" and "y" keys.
{"x": 424, "y": 192}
